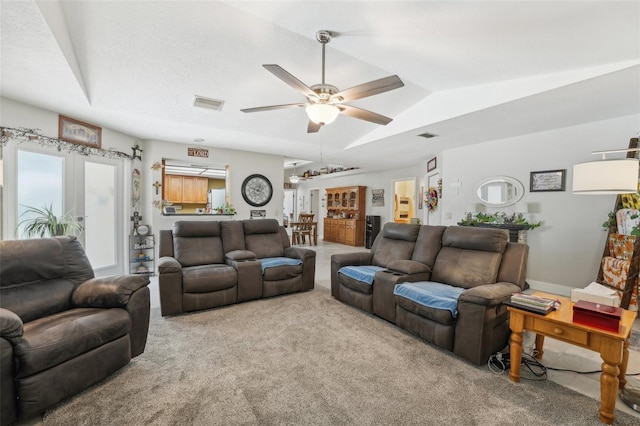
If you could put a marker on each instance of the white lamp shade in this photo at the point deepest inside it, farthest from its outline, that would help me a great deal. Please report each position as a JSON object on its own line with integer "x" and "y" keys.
{"x": 606, "y": 177}
{"x": 322, "y": 113}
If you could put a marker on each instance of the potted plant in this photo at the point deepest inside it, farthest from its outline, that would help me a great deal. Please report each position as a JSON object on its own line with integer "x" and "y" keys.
{"x": 44, "y": 222}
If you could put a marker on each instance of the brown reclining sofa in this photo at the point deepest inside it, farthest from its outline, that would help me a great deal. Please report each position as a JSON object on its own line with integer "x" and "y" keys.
{"x": 445, "y": 284}
{"x": 206, "y": 264}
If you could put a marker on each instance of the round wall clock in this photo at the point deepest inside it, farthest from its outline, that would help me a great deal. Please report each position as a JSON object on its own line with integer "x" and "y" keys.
{"x": 257, "y": 190}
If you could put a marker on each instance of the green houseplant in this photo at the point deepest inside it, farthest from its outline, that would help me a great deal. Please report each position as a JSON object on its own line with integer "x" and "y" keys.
{"x": 44, "y": 222}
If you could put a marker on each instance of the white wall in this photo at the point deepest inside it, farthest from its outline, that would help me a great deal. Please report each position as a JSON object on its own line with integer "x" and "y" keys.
{"x": 566, "y": 250}
{"x": 241, "y": 164}
{"x": 15, "y": 114}
{"x": 378, "y": 180}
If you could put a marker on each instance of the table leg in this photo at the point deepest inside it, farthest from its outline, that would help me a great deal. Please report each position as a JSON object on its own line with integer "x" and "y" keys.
{"x": 623, "y": 367}
{"x": 539, "y": 346}
{"x": 611, "y": 354}
{"x": 516, "y": 323}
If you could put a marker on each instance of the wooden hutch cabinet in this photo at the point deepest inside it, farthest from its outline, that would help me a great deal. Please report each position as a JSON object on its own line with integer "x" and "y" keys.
{"x": 345, "y": 221}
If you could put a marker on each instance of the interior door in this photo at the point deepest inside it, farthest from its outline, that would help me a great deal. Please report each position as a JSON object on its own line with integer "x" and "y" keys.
{"x": 88, "y": 188}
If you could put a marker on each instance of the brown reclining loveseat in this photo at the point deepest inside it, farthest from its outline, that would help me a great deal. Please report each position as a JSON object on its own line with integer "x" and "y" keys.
{"x": 206, "y": 264}
{"x": 445, "y": 284}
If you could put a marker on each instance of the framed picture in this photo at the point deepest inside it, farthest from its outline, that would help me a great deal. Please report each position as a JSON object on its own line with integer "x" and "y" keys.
{"x": 79, "y": 132}
{"x": 432, "y": 164}
{"x": 547, "y": 180}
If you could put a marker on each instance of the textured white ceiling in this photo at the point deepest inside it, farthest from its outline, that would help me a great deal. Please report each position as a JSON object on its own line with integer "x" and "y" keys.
{"x": 473, "y": 71}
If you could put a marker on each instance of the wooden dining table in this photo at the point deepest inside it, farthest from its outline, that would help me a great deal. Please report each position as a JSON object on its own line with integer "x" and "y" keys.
{"x": 313, "y": 237}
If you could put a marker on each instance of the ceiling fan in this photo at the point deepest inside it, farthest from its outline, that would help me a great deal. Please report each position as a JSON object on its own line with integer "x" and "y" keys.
{"x": 324, "y": 101}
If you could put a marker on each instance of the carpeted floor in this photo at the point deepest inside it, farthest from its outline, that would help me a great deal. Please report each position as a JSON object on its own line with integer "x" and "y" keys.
{"x": 307, "y": 359}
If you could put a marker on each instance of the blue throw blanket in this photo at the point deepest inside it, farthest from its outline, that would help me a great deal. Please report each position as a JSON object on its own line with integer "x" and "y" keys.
{"x": 364, "y": 273}
{"x": 431, "y": 294}
{"x": 271, "y": 262}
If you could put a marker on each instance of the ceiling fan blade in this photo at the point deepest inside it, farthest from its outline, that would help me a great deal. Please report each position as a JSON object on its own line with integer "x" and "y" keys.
{"x": 363, "y": 114}
{"x": 313, "y": 127}
{"x": 285, "y": 76}
{"x": 271, "y": 107}
{"x": 369, "y": 89}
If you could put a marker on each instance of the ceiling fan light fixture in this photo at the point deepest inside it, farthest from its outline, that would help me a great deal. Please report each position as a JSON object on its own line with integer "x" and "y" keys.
{"x": 322, "y": 113}
{"x": 294, "y": 178}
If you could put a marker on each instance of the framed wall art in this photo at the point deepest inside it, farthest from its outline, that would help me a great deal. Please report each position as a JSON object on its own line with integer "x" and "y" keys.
{"x": 432, "y": 164}
{"x": 547, "y": 180}
{"x": 79, "y": 132}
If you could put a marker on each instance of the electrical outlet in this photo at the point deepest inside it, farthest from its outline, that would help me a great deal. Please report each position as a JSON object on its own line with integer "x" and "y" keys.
{"x": 447, "y": 215}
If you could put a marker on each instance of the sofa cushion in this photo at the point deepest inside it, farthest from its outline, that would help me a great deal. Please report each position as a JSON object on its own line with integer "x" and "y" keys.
{"x": 389, "y": 250}
{"x": 431, "y": 295}
{"x": 263, "y": 238}
{"x": 470, "y": 238}
{"x": 47, "y": 269}
{"x": 466, "y": 268}
{"x": 57, "y": 338}
{"x": 428, "y": 244}
{"x": 207, "y": 278}
{"x": 364, "y": 273}
{"x": 280, "y": 268}
{"x": 197, "y": 243}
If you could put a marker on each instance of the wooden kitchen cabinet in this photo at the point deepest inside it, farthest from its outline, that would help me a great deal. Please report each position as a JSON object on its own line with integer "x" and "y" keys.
{"x": 173, "y": 188}
{"x": 186, "y": 189}
{"x": 194, "y": 189}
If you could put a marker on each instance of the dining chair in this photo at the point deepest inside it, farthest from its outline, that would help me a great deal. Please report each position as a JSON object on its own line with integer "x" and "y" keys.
{"x": 304, "y": 228}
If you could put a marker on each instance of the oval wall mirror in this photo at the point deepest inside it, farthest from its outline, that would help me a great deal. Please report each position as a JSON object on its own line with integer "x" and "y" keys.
{"x": 499, "y": 191}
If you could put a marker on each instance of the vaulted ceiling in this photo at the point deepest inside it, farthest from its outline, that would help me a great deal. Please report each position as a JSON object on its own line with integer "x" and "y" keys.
{"x": 473, "y": 71}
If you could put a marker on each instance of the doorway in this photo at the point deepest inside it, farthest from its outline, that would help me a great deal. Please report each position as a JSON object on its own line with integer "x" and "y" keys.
{"x": 85, "y": 187}
{"x": 404, "y": 200}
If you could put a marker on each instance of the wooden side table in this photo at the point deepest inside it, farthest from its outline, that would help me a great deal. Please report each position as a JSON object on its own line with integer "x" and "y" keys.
{"x": 613, "y": 347}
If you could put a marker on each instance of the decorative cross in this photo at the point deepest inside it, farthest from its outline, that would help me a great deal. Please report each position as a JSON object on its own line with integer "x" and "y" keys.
{"x": 136, "y": 218}
{"x": 157, "y": 185}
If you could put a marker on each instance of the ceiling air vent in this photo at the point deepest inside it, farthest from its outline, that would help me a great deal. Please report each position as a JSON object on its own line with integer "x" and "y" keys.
{"x": 427, "y": 135}
{"x": 208, "y": 103}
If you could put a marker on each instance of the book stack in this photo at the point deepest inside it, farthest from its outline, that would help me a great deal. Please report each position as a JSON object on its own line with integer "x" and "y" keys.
{"x": 536, "y": 304}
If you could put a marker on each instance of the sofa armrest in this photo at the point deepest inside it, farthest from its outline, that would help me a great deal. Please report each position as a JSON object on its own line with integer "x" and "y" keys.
{"x": 299, "y": 253}
{"x": 351, "y": 259}
{"x": 108, "y": 292}
{"x": 11, "y": 326}
{"x": 489, "y": 294}
{"x": 308, "y": 258}
{"x": 408, "y": 267}
{"x": 240, "y": 255}
{"x": 167, "y": 265}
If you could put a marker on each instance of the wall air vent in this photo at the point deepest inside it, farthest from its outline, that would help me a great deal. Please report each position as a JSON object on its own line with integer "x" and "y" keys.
{"x": 427, "y": 135}
{"x": 208, "y": 103}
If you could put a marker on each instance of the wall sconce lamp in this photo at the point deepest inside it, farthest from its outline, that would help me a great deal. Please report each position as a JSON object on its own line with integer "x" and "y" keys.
{"x": 607, "y": 176}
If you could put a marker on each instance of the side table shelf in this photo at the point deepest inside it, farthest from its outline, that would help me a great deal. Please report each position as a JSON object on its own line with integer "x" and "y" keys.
{"x": 141, "y": 254}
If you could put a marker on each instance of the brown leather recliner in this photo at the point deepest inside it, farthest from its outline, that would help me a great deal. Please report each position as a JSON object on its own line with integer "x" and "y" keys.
{"x": 62, "y": 329}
